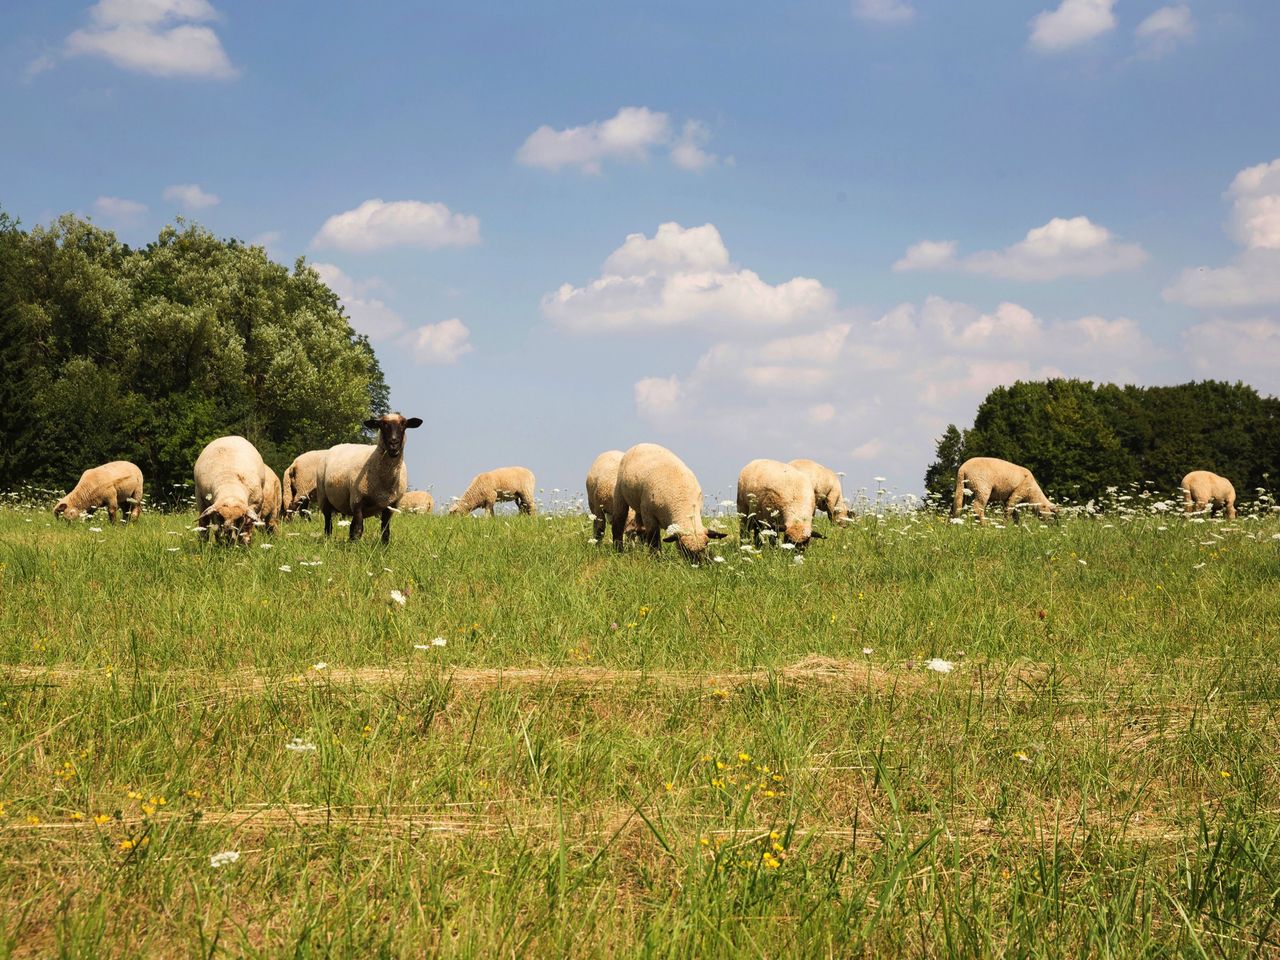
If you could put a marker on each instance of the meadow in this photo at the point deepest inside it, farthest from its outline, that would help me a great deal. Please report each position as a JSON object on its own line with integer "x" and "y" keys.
{"x": 494, "y": 738}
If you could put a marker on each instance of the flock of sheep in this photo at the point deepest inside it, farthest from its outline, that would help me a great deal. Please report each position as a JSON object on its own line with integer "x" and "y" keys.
{"x": 646, "y": 493}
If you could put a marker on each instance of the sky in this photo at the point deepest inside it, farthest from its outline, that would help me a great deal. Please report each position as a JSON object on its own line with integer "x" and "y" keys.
{"x": 813, "y": 229}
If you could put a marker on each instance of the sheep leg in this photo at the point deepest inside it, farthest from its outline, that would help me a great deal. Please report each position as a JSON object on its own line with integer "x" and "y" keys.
{"x": 1011, "y": 507}
{"x": 357, "y": 523}
{"x": 1231, "y": 508}
{"x": 597, "y": 525}
{"x": 328, "y": 519}
{"x": 489, "y": 506}
{"x": 980, "y": 504}
{"x": 386, "y": 525}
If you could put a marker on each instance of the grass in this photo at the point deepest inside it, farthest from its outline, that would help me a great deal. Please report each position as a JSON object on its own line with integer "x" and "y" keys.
{"x": 622, "y": 755}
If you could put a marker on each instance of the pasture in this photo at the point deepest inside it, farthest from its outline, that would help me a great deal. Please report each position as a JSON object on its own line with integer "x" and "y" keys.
{"x": 548, "y": 749}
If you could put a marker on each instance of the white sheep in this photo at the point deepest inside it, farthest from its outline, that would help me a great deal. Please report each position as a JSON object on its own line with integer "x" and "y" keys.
{"x": 360, "y": 480}
{"x": 776, "y": 496}
{"x": 111, "y": 485}
{"x": 828, "y": 496}
{"x": 497, "y": 486}
{"x": 1203, "y": 490}
{"x": 300, "y": 481}
{"x": 231, "y": 486}
{"x": 992, "y": 480}
{"x": 602, "y": 477}
{"x": 417, "y": 501}
{"x": 666, "y": 498}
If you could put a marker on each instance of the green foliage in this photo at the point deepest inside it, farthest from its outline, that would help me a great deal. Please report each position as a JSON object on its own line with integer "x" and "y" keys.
{"x": 107, "y": 353}
{"x": 1079, "y": 439}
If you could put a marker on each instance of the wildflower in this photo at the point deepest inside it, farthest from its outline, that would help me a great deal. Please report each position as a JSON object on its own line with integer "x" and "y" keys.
{"x": 172, "y": 549}
{"x": 867, "y": 651}
{"x": 33, "y": 820}
{"x": 439, "y": 641}
{"x": 127, "y": 844}
{"x": 1225, "y": 774}
{"x": 704, "y": 841}
{"x": 720, "y": 694}
{"x": 718, "y": 559}
{"x": 298, "y": 745}
{"x": 938, "y": 665}
{"x": 319, "y": 665}
{"x": 397, "y": 597}
{"x": 770, "y": 861}
{"x": 101, "y": 819}
{"x": 148, "y": 809}
{"x": 95, "y": 529}
{"x": 195, "y": 794}
{"x": 744, "y": 757}
{"x": 224, "y": 858}
{"x": 668, "y": 786}
{"x": 285, "y": 568}
{"x": 1022, "y": 756}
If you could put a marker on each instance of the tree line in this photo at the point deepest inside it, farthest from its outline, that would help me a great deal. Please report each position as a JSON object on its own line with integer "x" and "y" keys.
{"x": 113, "y": 353}
{"x": 1079, "y": 439}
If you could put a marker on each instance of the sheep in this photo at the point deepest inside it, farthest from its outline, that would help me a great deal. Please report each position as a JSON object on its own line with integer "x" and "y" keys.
{"x": 272, "y": 502}
{"x": 110, "y": 485}
{"x": 359, "y": 480}
{"x": 991, "y": 479}
{"x": 776, "y": 496}
{"x": 497, "y": 486}
{"x": 666, "y": 498}
{"x": 234, "y": 487}
{"x": 417, "y": 501}
{"x": 1203, "y": 490}
{"x": 826, "y": 490}
{"x": 300, "y": 482}
{"x": 601, "y": 479}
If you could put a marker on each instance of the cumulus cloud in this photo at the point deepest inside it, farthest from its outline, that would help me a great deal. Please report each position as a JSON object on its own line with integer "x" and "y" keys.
{"x": 1074, "y": 247}
{"x": 884, "y": 11}
{"x": 118, "y": 209}
{"x": 166, "y": 38}
{"x": 1162, "y": 32}
{"x": 630, "y": 135}
{"x": 441, "y": 343}
{"x": 1254, "y": 278}
{"x": 37, "y": 66}
{"x": 1245, "y": 349}
{"x": 190, "y": 196}
{"x": 1073, "y": 22}
{"x": 369, "y": 314}
{"x": 681, "y": 277}
{"x": 376, "y": 225}
{"x": 657, "y": 396}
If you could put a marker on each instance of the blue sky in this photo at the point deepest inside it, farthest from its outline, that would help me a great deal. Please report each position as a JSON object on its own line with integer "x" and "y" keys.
{"x": 879, "y": 209}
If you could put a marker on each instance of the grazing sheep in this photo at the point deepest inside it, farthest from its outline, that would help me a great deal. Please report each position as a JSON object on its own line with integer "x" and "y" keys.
{"x": 300, "y": 482}
{"x": 498, "y": 486}
{"x": 110, "y": 485}
{"x": 417, "y": 501}
{"x": 776, "y": 496}
{"x": 666, "y": 498}
{"x": 601, "y": 479}
{"x": 999, "y": 481}
{"x": 359, "y": 480}
{"x": 1203, "y": 490}
{"x": 234, "y": 487}
{"x": 272, "y": 502}
{"x": 826, "y": 490}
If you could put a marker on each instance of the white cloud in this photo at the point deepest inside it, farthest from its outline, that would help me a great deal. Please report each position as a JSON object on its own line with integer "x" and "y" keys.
{"x": 190, "y": 196}
{"x": 118, "y": 208}
{"x": 1073, "y": 247}
{"x": 1237, "y": 349}
{"x": 1074, "y": 22}
{"x": 158, "y": 37}
{"x": 441, "y": 343}
{"x": 1254, "y": 278}
{"x": 39, "y": 65}
{"x": 870, "y": 450}
{"x": 268, "y": 240}
{"x": 376, "y": 225}
{"x": 631, "y": 135}
{"x": 657, "y": 396}
{"x": 681, "y": 277}
{"x": 822, "y": 413}
{"x": 368, "y": 313}
{"x": 884, "y": 11}
{"x": 1161, "y": 33}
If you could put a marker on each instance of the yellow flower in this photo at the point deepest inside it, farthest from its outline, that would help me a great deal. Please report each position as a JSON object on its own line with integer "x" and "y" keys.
{"x": 148, "y": 809}
{"x": 126, "y": 844}
{"x": 1226, "y": 774}
{"x": 33, "y": 819}
{"x": 721, "y": 694}
{"x": 770, "y": 861}
{"x": 77, "y": 815}
{"x": 705, "y": 842}
{"x": 669, "y": 786}
{"x": 101, "y": 818}
{"x": 744, "y": 757}
{"x": 195, "y": 794}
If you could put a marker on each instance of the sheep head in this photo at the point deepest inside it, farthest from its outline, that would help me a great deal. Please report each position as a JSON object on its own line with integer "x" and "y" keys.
{"x": 233, "y": 520}
{"x": 800, "y": 532}
{"x": 65, "y": 510}
{"x": 692, "y": 544}
{"x": 390, "y": 428}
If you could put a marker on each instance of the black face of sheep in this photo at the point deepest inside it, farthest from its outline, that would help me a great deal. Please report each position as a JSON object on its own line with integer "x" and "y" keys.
{"x": 390, "y": 428}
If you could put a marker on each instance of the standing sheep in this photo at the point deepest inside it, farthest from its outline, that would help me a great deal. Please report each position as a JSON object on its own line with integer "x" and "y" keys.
{"x": 666, "y": 498}
{"x": 300, "y": 482}
{"x": 110, "y": 485}
{"x": 234, "y": 487}
{"x": 776, "y": 496}
{"x": 602, "y": 477}
{"x": 1206, "y": 491}
{"x": 498, "y": 486}
{"x": 272, "y": 502}
{"x": 359, "y": 480}
{"x": 999, "y": 481}
{"x": 417, "y": 501}
{"x": 826, "y": 490}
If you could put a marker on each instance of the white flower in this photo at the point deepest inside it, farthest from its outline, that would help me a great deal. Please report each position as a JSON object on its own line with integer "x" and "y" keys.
{"x": 95, "y": 529}
{"x": 957, "y": 519}
{"x": 1023, "y": 757}
{"x": 1197, "y": 566}
{"x": 343, "y": 523}
{"x": 867, "y": 651}
{"x": 298, "y": 745}
{"x": 285, "y": 568}
{"x": 718, "y": 559}
{"x": 421, "y": 646}
{"x": 1083, "y": 563}
{"x": 319, "y": 665}
{"x": 172, "y": 549}
{"x": 938, "y": 665}
{"x": 672, "y": 531}
{"x": 224, "y": 858}
{"x": 788, "y": 546}
{"x": 266, "y": 546}
{"x": 798, "y": 559}
{"x": 439, "y": 642}
{"x": 398, "y": 597}
{"x": 593, "y": 541}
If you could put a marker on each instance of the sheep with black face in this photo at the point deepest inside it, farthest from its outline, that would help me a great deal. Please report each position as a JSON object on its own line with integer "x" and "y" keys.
{"x": 362, "y": 480}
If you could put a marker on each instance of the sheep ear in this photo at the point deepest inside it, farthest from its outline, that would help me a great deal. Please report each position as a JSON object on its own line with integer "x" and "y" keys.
{"x": 671, "y": 539}
{"x": 208, "y": 515}
{"x": 413, "y": 422}
{"x": 818, "y": 535}
{"x": 716, "y": 534}
{"x": 373, "y": 423}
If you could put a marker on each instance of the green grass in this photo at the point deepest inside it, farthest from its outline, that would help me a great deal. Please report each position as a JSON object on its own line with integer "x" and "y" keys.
{"x": 1099, "y": 774}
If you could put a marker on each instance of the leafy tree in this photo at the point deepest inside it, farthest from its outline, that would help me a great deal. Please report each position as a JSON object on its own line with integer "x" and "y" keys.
{"x": 113, "y": 353}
